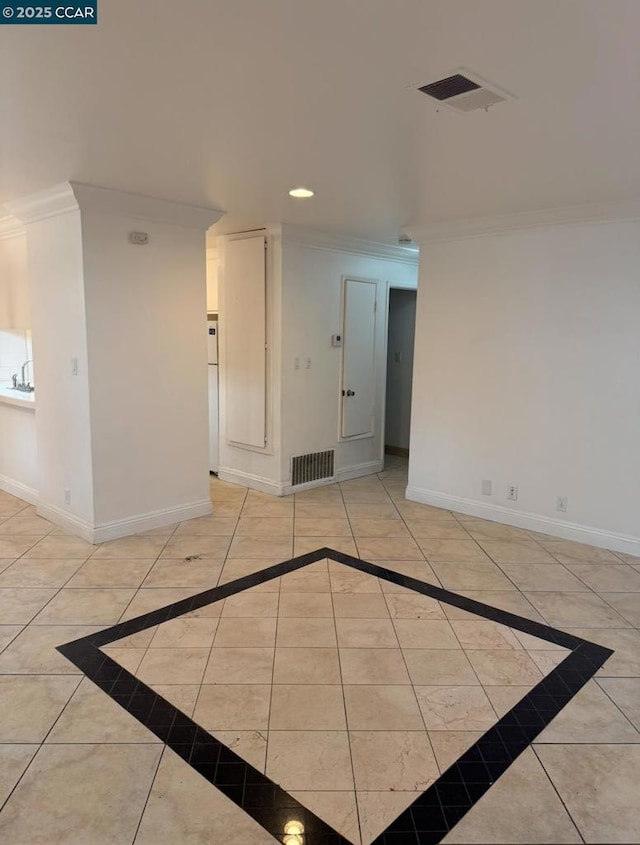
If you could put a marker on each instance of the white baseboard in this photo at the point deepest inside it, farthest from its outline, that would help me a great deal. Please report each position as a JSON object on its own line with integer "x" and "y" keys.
{"x": 124, "y": 527}
{"x": 264, "y": 485}
{"x": 148, "y": 521}
{"x": 529, "y": 521}
{"x": 358, "y": 470}
{"x": 254, "y": 482}
{"x": 345, "y": 474}
{"x": 16, "y": 488}
{"x": 70, "y": 523}
{"x": 288, "y": 489}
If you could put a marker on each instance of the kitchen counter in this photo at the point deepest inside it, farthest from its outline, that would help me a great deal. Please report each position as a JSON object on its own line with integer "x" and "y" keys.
{"x": 9, "y": 396}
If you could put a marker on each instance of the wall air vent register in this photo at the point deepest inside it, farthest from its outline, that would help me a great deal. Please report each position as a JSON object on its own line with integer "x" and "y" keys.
{"x": 312, "y": 467}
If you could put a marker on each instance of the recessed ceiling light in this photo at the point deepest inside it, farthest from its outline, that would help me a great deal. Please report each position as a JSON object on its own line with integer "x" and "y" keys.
{"x": 300, "y": 193}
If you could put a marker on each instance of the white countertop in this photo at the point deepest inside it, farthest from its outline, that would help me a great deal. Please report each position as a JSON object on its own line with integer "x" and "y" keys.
{"x": 8, "y": 396}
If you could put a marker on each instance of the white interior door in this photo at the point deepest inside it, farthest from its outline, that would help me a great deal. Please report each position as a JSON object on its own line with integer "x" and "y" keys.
{"x": 358, "y": 358}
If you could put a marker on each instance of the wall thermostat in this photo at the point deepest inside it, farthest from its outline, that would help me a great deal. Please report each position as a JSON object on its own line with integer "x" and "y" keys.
{"x": 336, "y": 340}
{"x": 138, "y": 238}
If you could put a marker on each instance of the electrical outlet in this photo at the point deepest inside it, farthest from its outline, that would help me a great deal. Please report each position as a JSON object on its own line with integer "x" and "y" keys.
{"x": 487, "y": 488}
{"x": 67, "y": 496}
{"x": 561, "y": 504}
{"x": 307, "y": 362}
{"x": 512, "y": 493}
{"x": 296, "y": 363}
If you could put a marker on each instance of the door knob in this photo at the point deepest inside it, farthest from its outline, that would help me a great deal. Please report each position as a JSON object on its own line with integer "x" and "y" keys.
{"x": 351, "y": 393}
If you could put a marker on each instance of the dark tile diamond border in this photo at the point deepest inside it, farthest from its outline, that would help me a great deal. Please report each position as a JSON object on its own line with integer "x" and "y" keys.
{"x": 437, "y": 810}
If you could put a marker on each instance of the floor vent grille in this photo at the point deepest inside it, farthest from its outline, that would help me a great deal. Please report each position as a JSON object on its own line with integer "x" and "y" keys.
{"x": 312, "y": 467}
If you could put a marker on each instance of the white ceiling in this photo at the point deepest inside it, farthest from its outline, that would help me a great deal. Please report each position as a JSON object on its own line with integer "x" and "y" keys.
{"x": 230, "y": 103}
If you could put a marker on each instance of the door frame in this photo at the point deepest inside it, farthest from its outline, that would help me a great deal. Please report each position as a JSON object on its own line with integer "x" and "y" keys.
{"x": 343, "y": 300}
{"x": 390, "y": 285}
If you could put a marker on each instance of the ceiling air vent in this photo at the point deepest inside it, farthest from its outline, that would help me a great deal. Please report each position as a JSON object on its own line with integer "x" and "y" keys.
{"x": 464, "y": 92}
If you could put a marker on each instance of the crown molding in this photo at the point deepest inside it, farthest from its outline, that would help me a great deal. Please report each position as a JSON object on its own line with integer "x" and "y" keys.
{"x": 10, "y": 227}
{"x": 52, "y": 202}
{"x": 74, "y": 196}
{"x": 315, "y": 239}
{"x": 121, "y": 203}
{"x": 573, "y": 215}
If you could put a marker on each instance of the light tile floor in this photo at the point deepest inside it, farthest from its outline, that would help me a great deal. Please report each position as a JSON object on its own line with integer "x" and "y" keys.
{"x": 299, "y": 674}
{"x": 359, "y": 689}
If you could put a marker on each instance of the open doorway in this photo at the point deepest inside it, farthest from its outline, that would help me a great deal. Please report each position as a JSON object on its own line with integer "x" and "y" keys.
{"x": 400, "y": 343}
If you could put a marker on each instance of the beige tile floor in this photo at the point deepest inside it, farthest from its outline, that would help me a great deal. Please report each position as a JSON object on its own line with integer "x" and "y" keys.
{"x": 349, "y": 694}
{"x": 302, "y": 674}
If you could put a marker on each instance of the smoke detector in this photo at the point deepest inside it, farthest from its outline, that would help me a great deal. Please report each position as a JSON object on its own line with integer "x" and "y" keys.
{"x": 465, "y": 91}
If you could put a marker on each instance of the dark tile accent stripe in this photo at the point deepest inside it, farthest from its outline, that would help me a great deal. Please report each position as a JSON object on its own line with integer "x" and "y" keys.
{"x": 437, "y": 810}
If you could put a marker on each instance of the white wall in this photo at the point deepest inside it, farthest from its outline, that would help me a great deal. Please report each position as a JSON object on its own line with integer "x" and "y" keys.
{"x": 259, "y": 468}
{"x": 126, "y": 434}
{"x": 18, "y": 468}
{"x": 401, "y": 332}
{"x": 312, "y": 312}
{"x": 15, "y": 350}
{"x": 146, "y": 330}
{"x": 18, "y": 464}
{"x": 56, "y": 280}
{"x": 305, "y": 273}
{"x": 526, "y": 373}
{"x": 14, "y": 280}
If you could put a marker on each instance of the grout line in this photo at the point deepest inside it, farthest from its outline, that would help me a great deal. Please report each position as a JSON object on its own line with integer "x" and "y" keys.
{"x": 355, "y": 543}
{"x": 273, "y": 674}
{"x": 344, "y": 700}
{"x": 573, "y": 822}
{"x": 16, "y": 784}
{"x": 59, "y": 716}
{"x": 14, "y": 638}
{"x": 634, "y": 627}
{"x": 615, "y": 703}
{"x": 32, "y": 546}
{"x": 157, "y": 558}
{"x": 413, "y": 687}
{"x": 146, "y": 801}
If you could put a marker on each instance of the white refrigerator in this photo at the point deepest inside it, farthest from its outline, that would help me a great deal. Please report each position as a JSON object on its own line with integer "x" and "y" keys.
{"x": 212, "y": 349}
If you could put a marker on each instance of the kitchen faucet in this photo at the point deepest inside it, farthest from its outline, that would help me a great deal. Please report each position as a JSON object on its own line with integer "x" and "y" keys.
{"x": 24, "y": 367}
{"x": 24, "y": 386}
